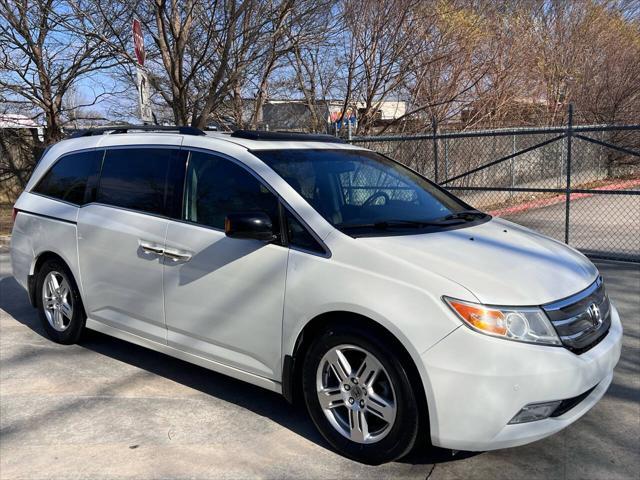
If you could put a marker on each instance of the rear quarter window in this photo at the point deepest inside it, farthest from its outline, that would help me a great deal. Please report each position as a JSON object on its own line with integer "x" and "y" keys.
{"x": 68, "y": 177}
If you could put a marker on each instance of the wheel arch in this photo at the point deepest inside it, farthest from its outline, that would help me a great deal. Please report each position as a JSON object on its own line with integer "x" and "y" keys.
{"x": 292, "y": 366}
{"x": 37, "y": 264}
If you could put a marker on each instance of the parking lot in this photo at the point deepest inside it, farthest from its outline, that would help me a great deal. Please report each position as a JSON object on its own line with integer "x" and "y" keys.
{"x": 593, "y": 220}
{"x": 109, "y": 409}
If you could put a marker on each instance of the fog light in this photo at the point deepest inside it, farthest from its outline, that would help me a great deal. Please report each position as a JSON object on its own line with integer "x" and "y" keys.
{"x": 535, "y": 411}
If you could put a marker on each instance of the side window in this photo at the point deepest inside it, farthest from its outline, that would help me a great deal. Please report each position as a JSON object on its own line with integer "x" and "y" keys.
{"x": 67, "y": 179}
{"x": 299, "y": 236}
{"x": 145, "y": 179}
{"x": 217, "y": 186}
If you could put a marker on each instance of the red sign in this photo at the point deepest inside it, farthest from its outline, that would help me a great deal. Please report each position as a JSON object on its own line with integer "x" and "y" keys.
{"x": 138, "y": 41}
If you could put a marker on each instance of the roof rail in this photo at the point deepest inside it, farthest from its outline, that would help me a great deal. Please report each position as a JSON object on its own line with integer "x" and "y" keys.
{"x": 264, "y": 135}
{"x": 89, "y": 132}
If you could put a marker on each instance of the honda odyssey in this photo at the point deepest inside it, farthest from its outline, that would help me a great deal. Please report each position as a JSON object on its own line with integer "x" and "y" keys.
{"x": 323, "y": 271}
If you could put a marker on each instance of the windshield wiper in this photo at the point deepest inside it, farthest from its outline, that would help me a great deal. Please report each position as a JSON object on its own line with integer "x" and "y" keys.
{"x": 451, "y": 219}
{"x": 467, "y": 215}
{"x": 386, "y": 224}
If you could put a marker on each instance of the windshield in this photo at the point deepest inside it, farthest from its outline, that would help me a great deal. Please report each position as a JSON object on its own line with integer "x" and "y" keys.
{"x": 362, "y": 190}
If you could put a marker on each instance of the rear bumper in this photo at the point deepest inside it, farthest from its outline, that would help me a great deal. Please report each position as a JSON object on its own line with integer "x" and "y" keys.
{"x": 476, "y": 384}
{"x": 21, "y": 257}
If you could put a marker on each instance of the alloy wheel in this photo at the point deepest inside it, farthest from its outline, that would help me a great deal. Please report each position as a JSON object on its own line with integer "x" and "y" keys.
{"x": 356, "y": 394}
{"x": 57, "y": 301}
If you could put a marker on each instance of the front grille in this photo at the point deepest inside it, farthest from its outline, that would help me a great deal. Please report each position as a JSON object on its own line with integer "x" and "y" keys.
{"x": 569, "y": 403}
{"x": 583, "y": 319}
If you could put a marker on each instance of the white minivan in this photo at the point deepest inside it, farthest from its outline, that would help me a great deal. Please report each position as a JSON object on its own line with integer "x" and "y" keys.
{"x": 396, "y": 312}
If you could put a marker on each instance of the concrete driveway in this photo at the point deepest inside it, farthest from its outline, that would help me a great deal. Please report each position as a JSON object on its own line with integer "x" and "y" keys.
{"x": 106, "y": 409}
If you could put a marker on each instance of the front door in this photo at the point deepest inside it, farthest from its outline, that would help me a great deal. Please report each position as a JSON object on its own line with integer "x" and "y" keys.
{"x": 121, "y": 236}
{"x": 224, "y": 297}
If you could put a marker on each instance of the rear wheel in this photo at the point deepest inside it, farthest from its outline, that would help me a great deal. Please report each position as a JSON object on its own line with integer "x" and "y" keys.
{"x": 359, "y": 396}
{"x": 59, "y": 304}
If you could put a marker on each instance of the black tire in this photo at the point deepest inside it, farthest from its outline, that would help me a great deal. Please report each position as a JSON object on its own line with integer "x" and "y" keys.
{"x": 75, "y": 326}
{"x": 402, "y": 435}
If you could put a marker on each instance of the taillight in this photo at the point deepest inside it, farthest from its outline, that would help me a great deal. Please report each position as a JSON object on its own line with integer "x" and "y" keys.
{"x": 14, "y": 213}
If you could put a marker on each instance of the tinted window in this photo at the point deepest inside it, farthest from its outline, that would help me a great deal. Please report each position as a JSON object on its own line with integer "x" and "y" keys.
{"x": 144, "y": 179}
{"x": 216, "y": 187}
{"x": 67, "y": 179}
{"x": 299, "y": 236}
{"x": 353, "y": 189}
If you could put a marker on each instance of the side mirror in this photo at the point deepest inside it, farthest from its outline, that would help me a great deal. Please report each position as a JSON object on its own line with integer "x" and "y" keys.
{"x": 254, "y": 225}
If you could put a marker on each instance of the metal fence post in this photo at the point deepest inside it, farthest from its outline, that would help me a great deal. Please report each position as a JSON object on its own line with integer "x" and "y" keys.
{"x": 446, "y": 158}
{"x": 563, "y": 149}
{"x": 434, "y": 125}
{"x": 568, "y": 181}
{"x": 512, "y": 165}
{"x": 600, "y": 149}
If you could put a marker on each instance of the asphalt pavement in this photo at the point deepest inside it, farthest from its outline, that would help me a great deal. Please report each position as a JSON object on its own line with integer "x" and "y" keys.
{"x": 106, "y": 409}
{"x": 604, "y": 225}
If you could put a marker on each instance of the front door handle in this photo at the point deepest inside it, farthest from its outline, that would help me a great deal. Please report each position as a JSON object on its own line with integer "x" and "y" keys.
{"x": 151, "y": 247}
{"x": 176, "y": 255}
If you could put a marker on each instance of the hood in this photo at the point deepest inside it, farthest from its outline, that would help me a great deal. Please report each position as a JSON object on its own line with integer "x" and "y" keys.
{"x": 501, "y": 263}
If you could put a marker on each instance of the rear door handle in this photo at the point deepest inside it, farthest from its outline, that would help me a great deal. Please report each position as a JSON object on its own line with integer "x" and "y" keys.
{"x": 151, "y": 247}
{"x": 177, "y": 255}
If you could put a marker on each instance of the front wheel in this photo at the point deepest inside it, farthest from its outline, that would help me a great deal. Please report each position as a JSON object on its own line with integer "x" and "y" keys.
{"x": 359, "y": 396}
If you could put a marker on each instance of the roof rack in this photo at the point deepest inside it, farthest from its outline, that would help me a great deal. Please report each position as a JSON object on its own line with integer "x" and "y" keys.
{"x": 264, "y": 135}
{"x": 89, "y": 132}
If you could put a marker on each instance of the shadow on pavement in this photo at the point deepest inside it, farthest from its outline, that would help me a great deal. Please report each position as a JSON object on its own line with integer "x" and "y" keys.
{"x": 14, "y": 300}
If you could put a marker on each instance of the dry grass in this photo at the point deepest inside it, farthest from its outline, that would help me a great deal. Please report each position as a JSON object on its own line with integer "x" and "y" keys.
{"x": 5, "y": 218}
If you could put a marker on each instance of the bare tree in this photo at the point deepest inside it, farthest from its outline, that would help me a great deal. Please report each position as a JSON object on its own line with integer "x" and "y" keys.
{"x": 46, "y": 53}
{"x": 607, "y": 86}
{"x": 199, "y": 50}
{"x": 451, "y": 57}
{"x": 314, "y": 77}
{"x": 296, "y": 26}
{"x": 19, "y": 148}
{"x": 503, "y": 47}
{"x": 379, "y": 56}
{"x": 223, "y": 60}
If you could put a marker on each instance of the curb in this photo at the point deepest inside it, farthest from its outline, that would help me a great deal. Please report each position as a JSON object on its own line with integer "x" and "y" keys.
{"x": 546, "y": 202}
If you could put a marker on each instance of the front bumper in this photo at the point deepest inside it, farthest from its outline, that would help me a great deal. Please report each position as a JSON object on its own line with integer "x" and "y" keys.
{"x": 475, "y": 385}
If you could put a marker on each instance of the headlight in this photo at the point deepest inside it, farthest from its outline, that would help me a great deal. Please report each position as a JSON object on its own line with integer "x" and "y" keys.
{"x": 526, "y": 324}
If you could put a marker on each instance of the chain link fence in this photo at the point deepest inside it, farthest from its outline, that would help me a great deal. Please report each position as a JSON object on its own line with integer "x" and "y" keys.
{"x": 578, "y": 184}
